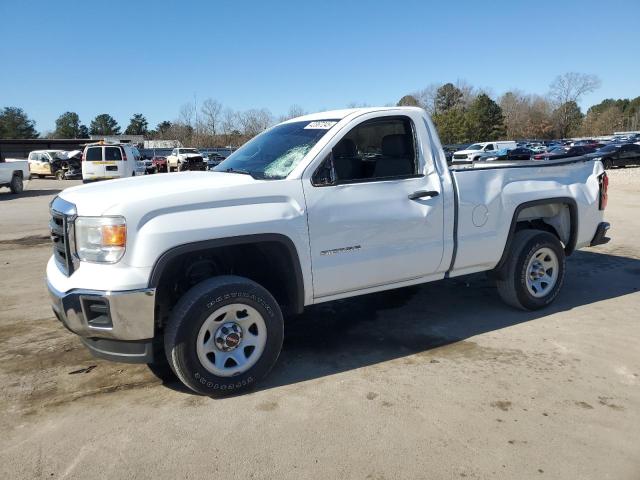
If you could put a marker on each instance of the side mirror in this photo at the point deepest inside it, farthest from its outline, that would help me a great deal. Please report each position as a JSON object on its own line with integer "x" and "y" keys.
{"x": 326, "y": 174}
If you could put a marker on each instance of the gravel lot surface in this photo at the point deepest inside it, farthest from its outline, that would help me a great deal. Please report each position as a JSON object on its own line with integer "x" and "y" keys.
{"x": 441, "y": 381}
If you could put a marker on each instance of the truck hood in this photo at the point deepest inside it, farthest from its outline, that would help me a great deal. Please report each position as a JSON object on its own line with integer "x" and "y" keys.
{"x": 189, "y": 155}
{"x": 114, "y": 196}
{"x": 467, "y": 152}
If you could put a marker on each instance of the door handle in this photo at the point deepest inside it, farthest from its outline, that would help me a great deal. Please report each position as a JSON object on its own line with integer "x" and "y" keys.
{"x": 423, "y": 194}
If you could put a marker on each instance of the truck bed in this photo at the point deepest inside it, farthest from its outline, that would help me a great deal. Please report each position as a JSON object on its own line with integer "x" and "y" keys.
{"x": 484, "y": 217}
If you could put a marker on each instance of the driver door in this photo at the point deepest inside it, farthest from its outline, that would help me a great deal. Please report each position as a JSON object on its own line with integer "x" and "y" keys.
{"x": 378, "y": 219}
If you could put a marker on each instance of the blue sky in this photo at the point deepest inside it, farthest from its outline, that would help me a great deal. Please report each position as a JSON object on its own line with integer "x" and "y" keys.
{"x": 152, "y": 57}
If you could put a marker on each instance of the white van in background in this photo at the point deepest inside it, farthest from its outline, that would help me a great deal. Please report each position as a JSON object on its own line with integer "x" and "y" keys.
{"x": 476, "y": 150}
{"x": 103, "y": 161}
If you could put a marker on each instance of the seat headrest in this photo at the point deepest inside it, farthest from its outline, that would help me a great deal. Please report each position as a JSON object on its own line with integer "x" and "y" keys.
{"x": 394, "y": 145}
{"x": 345, "y": 148}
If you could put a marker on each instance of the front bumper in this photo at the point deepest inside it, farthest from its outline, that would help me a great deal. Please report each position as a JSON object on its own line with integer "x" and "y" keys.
{"x": 117, "y": 325}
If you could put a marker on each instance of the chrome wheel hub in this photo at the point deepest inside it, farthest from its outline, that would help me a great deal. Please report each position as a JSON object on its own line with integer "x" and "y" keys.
{"x": 228, "y": 336}
{"x": 542, "y": 272}
{"x": 231, "y": 340}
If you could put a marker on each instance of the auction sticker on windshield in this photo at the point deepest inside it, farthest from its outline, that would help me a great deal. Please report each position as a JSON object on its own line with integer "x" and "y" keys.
{"x": 321, "y": 125}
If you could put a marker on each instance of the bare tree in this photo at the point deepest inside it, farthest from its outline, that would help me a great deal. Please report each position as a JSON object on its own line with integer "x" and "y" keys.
{"x": 230, "y": 121}
{"x": 255, "y": 121}
{"x": 427, "y": 97}
{"x": 571, "y": 87}
{"x": 211, "y": 113}
{"x": 515, "y": 109}
{"x": 565, "y": 93}
{"x": 540, "y": 119}
{"x": 187, "y": 114}
{"x": 358, "y": 105}
{"x": 469, "y": 93}
{"x": 294, "y": 111}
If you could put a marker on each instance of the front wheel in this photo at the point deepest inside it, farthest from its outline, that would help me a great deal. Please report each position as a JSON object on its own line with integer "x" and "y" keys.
{"x": 59, "y": 175}
{"x": 607, "y": 164}
{"x": 534, "y": 272}
{"x": 224, "y": 335}
{"x": 16, "y": 185}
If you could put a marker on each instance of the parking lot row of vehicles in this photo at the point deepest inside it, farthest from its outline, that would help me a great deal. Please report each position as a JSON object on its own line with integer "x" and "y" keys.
{"x": 115, "y": 160}
{"x": 612, "y": 154}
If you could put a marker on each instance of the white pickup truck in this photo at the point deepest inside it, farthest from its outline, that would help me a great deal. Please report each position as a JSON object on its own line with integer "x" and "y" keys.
{"x": 201, "y": 267}
{"x": 13, "y": 174}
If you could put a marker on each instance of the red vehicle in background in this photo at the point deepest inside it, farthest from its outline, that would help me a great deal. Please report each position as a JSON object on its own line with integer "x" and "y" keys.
{"x": 160, "y": 164}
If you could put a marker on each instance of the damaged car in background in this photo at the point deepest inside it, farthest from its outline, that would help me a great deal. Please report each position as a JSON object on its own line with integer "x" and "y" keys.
{"x": 60, "y": 164}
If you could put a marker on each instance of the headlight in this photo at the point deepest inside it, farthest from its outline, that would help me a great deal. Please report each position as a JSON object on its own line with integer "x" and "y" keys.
{"x": 100, "y": 239}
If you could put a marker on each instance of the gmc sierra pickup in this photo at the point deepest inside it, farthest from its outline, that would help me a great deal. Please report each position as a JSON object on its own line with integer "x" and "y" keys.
{"x": 200, "y": 267}
{"x": 13, "y": 174}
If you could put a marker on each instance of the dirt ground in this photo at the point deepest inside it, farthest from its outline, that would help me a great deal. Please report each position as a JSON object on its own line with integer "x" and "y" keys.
{"x": 441, "y": 381}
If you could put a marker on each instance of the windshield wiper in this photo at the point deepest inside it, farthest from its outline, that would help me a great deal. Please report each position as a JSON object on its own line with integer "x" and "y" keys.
{"x": 239, "y": 170}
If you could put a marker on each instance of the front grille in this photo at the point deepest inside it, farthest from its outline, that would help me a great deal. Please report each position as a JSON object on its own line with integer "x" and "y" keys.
{"x": 460, "y": 156}
{"x": 61, "y": 225}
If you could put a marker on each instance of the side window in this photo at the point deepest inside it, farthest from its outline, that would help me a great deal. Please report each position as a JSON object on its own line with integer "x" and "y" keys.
{"x": 112, "y": 153}
{"x": 32, "y": 156}
{"x": 376, "y": 149}
{"x": 174, "y": 152}
{"x": 94, "y": 154}
{"x": 489, "y": 147}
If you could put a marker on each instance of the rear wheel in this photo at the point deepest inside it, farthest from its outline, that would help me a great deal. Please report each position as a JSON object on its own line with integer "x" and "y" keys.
{"x": 224, "y": 335}
{"x": 59, "y": 175}
{"x": 533, "y": 275}
{"x": 16, "y": 184}
{"x": 608, "y": 164}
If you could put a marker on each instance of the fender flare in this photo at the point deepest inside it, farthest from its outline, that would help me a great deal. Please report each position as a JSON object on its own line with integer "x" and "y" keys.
{"x": 163, "y": 260}
{"x": 573, "y": 219}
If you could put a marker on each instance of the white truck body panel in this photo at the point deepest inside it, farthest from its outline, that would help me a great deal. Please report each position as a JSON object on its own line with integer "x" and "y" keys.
{"x": 349, "y": 238}
{"x": 484, "y": 214}
{"x": 11, "y": 166}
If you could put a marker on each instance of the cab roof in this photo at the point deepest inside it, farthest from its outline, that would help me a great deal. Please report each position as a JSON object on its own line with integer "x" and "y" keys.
{"x": 344, "y": 113}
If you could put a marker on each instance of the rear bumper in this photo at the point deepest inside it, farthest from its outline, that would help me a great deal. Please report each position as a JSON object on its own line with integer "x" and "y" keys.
{"x": 118, "y": 326}
{"x": 600, "y": 237}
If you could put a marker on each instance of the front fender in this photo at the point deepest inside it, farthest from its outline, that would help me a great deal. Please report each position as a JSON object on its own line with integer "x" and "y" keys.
{"x": 270, "y": 208}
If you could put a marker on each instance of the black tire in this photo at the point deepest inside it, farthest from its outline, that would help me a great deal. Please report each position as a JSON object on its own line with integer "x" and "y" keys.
{"x": 189, "y": 315}
{"x": 512, "y": 278}
{"x": 59, "y": 175}
{"x": 607, "y": 164}
{"x": 16, "y": 184}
